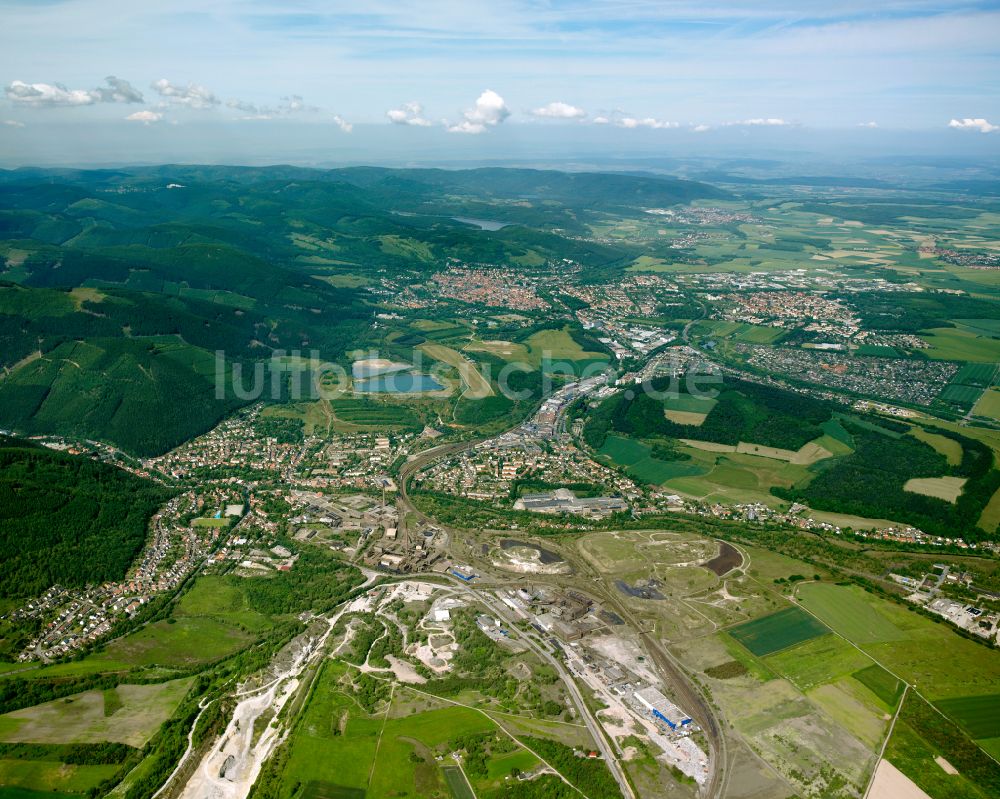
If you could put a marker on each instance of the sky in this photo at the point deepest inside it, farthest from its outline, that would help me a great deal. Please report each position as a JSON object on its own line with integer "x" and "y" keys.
{"x": 102, "y": 81}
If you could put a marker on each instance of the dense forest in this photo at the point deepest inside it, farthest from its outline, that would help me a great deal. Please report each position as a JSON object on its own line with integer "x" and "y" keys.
{"x": 869, "y": 482}
{"x": 317, "y": 582}
{"x": 68, "y": 520}
{"x": 743, "y": 411}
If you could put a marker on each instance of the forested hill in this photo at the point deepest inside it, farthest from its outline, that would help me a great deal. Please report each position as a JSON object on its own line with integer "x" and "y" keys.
{"x": 67, "y": 519}
{"x": 117, "y": 287}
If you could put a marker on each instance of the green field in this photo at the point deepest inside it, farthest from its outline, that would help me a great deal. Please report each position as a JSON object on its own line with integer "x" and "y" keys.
{"x": 190, "y": 641}
{"x": 689, "y": 404}
{"x": 975, "y": 374}
{"x": 953, "y": 344}
{"x": 921, "y": 735}
{"x": 881, "y": 683}
{"x": 457, "y": 784}
{"x": 43, "y": 776}
{"x": 817, "y": 661}
{"x": 337, "y": 744}
{"x": 15, "y": 792}
{"x": 778, "y": 631}
{"x": 906, "y": 644}
{"x": 210, "y": 521}
{"x": 979, "y": 715}
{"x": 989, "y": 404}
{"x": 558, "y": 345}
{"x": 82, "y": 718}
{"x": 220, "y": 598}
{"x": 846, "y": 611}
{"x": 949, "y": 447}
{"x": 315, "y": 789}
{"x": 963, "y": 395}
{"x": 639, "y": 463}
{"x": 740, "y": 331}
{"x": 373, "y": 413}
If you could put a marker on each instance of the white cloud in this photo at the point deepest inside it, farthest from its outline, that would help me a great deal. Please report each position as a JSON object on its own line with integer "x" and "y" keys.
{"x": 868, "y": 124}
{"x": 978, "y": 123}
{"x": 13, "y": 123}
{"x": 145, "y": 117}
{"x": 342, "y": 123}
{"x": 293, "y": 104}
{"x": 473, "y": 128}
{"x": 408, "y": 114}
{"x": 47, "y": 95}
{"x": 559, "y": 110}
{"x": 489, "y": 111}
{"x": 118, "y": 90}
{"x": 192, "y": 95}
{"x": 621, "y": 119}
{"x": 701, "y": 128}
{"x": 759, "y": 122}
{"x": 646, "y": 122}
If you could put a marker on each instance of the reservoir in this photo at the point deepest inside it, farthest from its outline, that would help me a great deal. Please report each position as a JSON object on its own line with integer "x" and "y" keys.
{"x": 408, "y": 383}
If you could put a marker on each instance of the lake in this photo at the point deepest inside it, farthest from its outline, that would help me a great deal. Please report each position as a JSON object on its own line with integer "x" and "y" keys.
{"x": 398, "y": 384}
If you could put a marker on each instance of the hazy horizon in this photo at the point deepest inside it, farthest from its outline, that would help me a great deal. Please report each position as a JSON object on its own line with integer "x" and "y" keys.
{"x": 85, "y": 83}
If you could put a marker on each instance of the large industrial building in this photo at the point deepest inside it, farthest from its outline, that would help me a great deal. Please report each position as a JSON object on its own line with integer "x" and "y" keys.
{"x": 661, "y": 708}
{"x": 562, "y": 500}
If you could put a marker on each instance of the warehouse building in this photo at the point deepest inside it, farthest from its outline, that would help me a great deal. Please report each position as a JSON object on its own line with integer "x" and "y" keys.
{"x": 661, "y": 708}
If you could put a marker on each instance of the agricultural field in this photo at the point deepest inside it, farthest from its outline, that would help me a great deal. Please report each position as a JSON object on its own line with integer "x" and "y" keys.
{"x": 947, "y": 488}
{"x": 40, "y": 779}
{"x": 191, "y": 640}
{"x": 906, "y": 644}
{"x": 949, "y": 447}
{"x": 558, "y": 345}
{"x": 687, "y": 410}
{"x": 989, "y": 404}
{"x": 640, "y": 464}
{"x": 938, "y": 756}
{"x": 739, "y": 331}
{"x": 953, "y": 344}
{"x": 978, "y": 715}
{"x": 778, "y": 631}
{"x": 128, "y": 714}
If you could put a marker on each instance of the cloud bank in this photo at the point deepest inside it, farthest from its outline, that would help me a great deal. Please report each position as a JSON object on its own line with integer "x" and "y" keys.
{"x": 53, "y": 95}
{"x": 978, "y": 123}
{"x": 770, "y": 122}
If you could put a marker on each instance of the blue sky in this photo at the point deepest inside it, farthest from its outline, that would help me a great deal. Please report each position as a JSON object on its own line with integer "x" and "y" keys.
{"x": 461, "y": 68}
